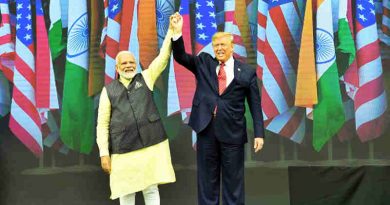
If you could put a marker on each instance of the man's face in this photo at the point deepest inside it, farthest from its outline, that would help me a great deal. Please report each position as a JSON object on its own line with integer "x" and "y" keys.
{"x": 223, "y": 48}
{"x": 126, "y": 67}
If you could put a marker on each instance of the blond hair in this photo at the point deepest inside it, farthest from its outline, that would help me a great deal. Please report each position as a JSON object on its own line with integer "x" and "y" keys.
{"x": 221, "y": 34}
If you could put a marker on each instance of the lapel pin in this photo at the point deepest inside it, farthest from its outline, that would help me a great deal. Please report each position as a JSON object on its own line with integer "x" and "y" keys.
{"x": 239, "y": 69}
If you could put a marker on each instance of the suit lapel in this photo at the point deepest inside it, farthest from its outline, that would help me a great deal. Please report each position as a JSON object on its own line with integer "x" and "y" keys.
{"x": 213, "y": 75}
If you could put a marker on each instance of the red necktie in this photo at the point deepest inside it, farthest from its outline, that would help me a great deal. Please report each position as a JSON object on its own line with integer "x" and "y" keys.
{"x": 221, "y": 78}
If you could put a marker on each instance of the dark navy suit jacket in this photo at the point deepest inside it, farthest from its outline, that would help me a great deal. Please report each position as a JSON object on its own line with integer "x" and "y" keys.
{"x": 230, "y": 122}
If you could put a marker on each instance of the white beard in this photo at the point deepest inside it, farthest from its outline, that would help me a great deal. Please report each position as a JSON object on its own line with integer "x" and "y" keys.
{"x": 127, "y": 76}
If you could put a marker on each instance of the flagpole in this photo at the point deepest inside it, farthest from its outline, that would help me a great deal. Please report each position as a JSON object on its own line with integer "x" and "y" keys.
{"x": 330, "y": 150}
{"x": 349, "y": 150}
{"x": 250, "y": 162}
{"x": 295, "y": 152}
{"x": 371, "y": 151}
{"x": 41, "y": 162}
{"x": 53, "y": 159}
{"x": 81, "y": 159}
{"x": 282, "y": 153}
{"x": 249, "y": 157}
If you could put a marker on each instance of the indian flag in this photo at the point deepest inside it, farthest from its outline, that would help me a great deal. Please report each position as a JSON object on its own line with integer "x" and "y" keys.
{"x": 56, "y": 39}
{"x": 328, "y": 114}
{"x": 77, "y": 122}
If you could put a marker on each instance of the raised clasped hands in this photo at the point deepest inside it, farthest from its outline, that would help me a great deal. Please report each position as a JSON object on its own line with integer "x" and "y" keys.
{"x": 176, "y": 23}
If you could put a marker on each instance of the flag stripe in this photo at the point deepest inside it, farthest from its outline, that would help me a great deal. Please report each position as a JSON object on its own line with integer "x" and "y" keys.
{"x": 25, "y": 137}
{"x": 272, "y": 108}
{"x": 279, "y": 76}
{"x": 370, "y": 90}
{"x": 29, "y": 109}
{"x": 46, "y": 91}
{"x": 288, "y": 40}
{"x": 112, "y": 38}
{"x": 370, "y": 110}
{"x": 370, "y": 74}
{"x": 125, "y": 29}
{"x": 373, "y": 128}
{"x": 368, "y": 36}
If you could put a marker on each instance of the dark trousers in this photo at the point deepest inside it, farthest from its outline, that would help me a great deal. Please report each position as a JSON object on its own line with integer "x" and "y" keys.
{"x": 215, "y": 158}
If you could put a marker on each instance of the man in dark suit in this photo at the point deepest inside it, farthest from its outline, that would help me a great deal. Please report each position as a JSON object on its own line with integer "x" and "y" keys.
{"x": 218, "y": 118}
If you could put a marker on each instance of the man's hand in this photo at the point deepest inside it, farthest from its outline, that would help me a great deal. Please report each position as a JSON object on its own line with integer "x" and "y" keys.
{"x": 176, "y": 23}
{"x": 106, "y": 164}
{"x": 258, "y": 144}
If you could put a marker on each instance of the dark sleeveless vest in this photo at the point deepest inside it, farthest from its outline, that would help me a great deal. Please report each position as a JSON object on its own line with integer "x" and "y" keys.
{"x": 135, "y": 122}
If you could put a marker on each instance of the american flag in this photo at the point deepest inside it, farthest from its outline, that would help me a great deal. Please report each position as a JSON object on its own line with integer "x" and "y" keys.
{"x": 205, "y": 25}
{"x": 231, "y": 26}
{"x": 25, "y": 121}
{"x": 277, "y": 54}
{"x": 7, "y": 46}
{"x": 46, "y": 90}
{"x": 126, "y": 24}
{"x": 112, "y": 38}
{"x": 370, "y": 99}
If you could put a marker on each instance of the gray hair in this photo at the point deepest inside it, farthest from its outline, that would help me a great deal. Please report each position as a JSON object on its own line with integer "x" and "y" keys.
{"x": 121, "y": 53}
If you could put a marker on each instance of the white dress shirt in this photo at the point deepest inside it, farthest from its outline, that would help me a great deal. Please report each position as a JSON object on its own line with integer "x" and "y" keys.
{"x": 229, "y": 70}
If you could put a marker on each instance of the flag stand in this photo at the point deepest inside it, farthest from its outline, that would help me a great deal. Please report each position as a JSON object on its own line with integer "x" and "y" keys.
{"x": 371, "y": 156}
{"x": 296, "y": 161}
{"x": 330, "y": 161}
{"x": 41, "y": 169}
{"x": 82, "y": 166}
{"x": 282, "y": 155}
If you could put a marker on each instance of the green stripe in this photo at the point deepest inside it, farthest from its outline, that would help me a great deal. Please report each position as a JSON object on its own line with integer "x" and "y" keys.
{"x": 57, "y": 43}
{"x": 329, "y": 113}
{"x": 77, "y": 122}
{"x": 346, "y": 51}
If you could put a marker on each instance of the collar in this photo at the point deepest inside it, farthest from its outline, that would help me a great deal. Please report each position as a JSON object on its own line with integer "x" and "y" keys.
{"x": 229, "y": 62}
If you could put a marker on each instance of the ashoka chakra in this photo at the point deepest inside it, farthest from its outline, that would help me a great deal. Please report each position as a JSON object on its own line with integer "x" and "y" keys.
{"x": 78, "y": 37}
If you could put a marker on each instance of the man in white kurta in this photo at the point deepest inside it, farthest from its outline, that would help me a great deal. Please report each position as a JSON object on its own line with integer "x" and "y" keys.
{"x": 142, "y": 169}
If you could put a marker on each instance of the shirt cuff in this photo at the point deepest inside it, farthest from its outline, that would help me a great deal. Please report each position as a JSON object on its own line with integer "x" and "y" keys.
{"x": 176, "y": 36}
{"x": 104, "y": 152}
